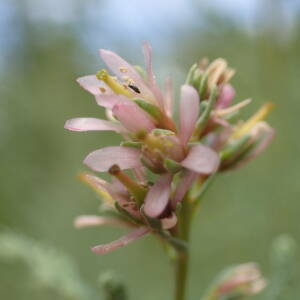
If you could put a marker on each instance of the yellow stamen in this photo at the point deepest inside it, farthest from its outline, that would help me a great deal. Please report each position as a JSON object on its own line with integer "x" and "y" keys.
{"x": 260, "y": 115}
{"x": 231, "y": 109}
{"x": 101, "y": 191}
{"x": 123, "y": 69}
{"x": 113, "y": 83}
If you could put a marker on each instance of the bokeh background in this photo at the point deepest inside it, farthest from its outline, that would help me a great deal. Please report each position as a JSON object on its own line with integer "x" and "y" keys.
{"x": 46, "y": 44}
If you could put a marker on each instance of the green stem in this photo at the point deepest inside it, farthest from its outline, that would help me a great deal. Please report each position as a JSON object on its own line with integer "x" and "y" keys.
{"x": 181, "y": 276}
{"x": 183, "y": 257}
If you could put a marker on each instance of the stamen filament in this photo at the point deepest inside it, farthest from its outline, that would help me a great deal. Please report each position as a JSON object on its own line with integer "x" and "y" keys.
{"x": 137, "y": 191}
{"x": 260, "y": 115}
{"x": 233, "y": 108}
{"x": 113, "y": 83}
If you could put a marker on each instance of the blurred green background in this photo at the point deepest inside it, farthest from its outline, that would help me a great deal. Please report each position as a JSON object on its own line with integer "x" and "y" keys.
{"x": 46, "y": 45}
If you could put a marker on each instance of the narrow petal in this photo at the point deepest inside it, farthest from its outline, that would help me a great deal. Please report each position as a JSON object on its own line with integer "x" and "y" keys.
{"x": 92, "y": 221}
{"x": 102, "y": 159}
{"x": 226, "y": 96}
{"x": 140, "y": 174}
{"x": 158, "y": 196}
{"x": 184, "y": 184}
{"x": 201, "y": 159}
{"x": 93, "y": 85}
{"x": 132, "y": 117}
{"x": 93, "y": 124}
{"x": 168, "y": 101}
{"x": 123, "y": 241}
{"x": 169, "y": 222}
{"x": 189, "y": 112}
{"x": 122, "y": 68}
{"x": 151, "y": 78}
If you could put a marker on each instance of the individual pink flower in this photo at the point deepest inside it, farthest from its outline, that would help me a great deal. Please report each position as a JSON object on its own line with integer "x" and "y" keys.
{"x": 116, "y": 193}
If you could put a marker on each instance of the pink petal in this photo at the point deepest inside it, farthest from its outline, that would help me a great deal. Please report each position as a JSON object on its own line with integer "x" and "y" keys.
{"x": 109, "y": 101}
{"x": 140, "y": 174}
{"x": 118, "y": 65}
{"x": 158, "y": 196}
{"x": 151, "y": 78}
{"x": 92, "y": 84}
{"x": 92, "y": 221}
{"x": 184, "y": 184}
{"x": 189, "y": 112}
{"x": 123, "y": 241}
{"x": 169, "y": 222}
{"x": 168, "y": 101}
{"x": 102, "y": 159}
{"x": 132, "y": 117}
{"x": 201, "y": 159}
{"x": 90, "y": 124}
{"x": 226, "y": 96}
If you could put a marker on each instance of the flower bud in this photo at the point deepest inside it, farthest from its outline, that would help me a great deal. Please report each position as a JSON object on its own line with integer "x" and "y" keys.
{"x": 237, "y": 282}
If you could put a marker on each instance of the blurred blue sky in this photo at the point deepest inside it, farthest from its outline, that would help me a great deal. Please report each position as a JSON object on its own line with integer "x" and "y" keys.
{"x": 109, "y": 23}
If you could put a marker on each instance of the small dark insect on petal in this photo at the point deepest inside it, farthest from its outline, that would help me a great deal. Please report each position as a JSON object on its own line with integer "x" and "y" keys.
{"x": 134, "y": 88}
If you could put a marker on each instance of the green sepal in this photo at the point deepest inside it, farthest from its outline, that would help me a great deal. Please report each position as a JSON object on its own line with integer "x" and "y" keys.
{"x": 190, "y": 75}
{"x": 151, "y": 109}
{"x": 159, "y": 131}
{"x": 234, "y": 148}
{"x": 203, "y": 85}
{"x": 197, "y": 77}
{"x": 131, "y": 144}
{"x": 172, "y": 166}
{"x": 126, "y": 214}
{"x": 203, "y": 106}
{"x": 148, "y": 165}
{"x": 243, "y": 154}
{"x": 204, "y": 117}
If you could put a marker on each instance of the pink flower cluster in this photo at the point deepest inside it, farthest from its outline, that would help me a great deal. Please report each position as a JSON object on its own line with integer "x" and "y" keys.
{"x": 180, "y": 158}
